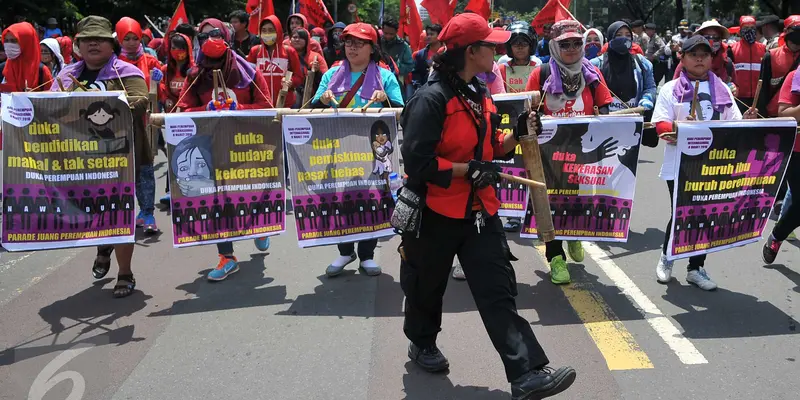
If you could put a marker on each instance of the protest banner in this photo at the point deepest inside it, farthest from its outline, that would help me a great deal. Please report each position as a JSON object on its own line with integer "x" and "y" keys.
{"x": 590, "y": 167}
{"x": 68, "y": 176}
{"x": 728, "y": 176}
{"x": 226, "y": 176}
{"x": 339, "y": 166}
{"x": 513, "y": 196}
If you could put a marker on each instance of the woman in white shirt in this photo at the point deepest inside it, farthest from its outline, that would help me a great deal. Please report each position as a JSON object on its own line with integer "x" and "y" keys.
{"x": 673, "y": 104}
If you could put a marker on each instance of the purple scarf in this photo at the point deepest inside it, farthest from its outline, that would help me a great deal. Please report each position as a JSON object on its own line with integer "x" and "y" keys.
{"x": 114, "y": 68}
{"x": 341, "y": 82}
{"x": 487, "y": 77}
{"x": 796, "y": 82}
{"x": 684, "y": 91}
{"x": 553, "y": 83}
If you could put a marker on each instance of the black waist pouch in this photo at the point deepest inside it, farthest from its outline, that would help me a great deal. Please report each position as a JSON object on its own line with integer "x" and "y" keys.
{"x": 407, "y": 216}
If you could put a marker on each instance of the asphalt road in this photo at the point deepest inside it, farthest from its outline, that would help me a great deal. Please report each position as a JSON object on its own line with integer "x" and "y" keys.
{"x": 279, "y": 329}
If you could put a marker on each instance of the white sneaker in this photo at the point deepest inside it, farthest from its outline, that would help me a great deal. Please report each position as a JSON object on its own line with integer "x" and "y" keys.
{"x": 458, "y": 272}
{"x": 337, "y": 266}
{"x": 370, "y": 267}
{"x": 664, "y": 269}
{"x": 700, "y": 278}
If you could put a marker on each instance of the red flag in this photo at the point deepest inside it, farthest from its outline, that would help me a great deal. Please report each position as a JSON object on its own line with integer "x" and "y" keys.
{"x": 315, "y": 12}
{"x": 551, "y": 13}
{"x": 440, "y": 11}
{"x": 410, "y": 24}
{"x": 258, "y": 10}
{"x": 480, "y": 7}
{"x": 180, "y": 17}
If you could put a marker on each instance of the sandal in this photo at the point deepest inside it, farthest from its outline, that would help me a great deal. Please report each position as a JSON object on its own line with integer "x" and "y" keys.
{"x": 125, "y": 285}
{"x": 102, "y": 263}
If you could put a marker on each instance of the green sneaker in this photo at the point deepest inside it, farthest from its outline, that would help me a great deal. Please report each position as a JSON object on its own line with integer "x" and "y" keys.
{"x": 559, "y": 274}
{"x": 792, "y": 237}
{"x": 575, "y": 250}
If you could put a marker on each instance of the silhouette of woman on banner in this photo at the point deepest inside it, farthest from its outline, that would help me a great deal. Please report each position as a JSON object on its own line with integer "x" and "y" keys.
{"x": 622, "y": 180}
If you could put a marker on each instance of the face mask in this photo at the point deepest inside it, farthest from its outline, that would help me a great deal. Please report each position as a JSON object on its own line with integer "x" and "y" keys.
{"x": 749, "y": 35}
{"x": 715, "y": 46}
{"x": 336, "y": 36}
{"x": 316, "y": 39}
{"x": 269, "y": 38}
{"x": 179, "y": 55}
{"x": 12, "y": 50}
{"x": 793, "y": 37}
{"x": 592, "y": 49}
{"x": 620, "y": 45}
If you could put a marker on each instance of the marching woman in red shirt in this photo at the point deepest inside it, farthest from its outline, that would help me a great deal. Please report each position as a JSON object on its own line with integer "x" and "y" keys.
{"x": 572, "y": 87}
{"x": 248, "y": 90}
{"x": 451, "y": 137}
{"x": 273, "y": 59}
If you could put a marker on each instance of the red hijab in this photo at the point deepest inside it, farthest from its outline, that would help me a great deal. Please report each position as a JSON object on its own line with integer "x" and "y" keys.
{"x": 66, "y": 48}
{"x": 23, "y": 72}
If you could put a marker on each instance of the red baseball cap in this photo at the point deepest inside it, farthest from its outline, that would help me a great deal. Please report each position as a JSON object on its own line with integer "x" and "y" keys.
{"x": 566, "y": 29}
{"x": 466, "y": 29}
{"x": 792, "y": 22}
{"x": 747, "y": 20}
{"x": 361, "y": 30}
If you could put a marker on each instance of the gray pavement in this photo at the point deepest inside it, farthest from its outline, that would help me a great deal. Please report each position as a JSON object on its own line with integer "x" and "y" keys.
{"x": 279, "y": 329}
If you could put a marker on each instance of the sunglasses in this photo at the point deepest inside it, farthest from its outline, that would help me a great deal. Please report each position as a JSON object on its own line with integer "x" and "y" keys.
{"x": 570, "y": 45}
{"x": 214, "y": 33}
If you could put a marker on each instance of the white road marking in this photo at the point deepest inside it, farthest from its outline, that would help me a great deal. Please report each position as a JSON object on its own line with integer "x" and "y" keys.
{"x": 683, "y": 348}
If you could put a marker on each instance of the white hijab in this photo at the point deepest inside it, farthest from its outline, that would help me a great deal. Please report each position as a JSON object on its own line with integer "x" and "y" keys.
{"x": 55, "y": 48}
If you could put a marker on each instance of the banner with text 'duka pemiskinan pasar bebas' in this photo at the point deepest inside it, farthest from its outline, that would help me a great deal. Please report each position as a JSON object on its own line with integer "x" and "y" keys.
{"x": 340, "y": 165}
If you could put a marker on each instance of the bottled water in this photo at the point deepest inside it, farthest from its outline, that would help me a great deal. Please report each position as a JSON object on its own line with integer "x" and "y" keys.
{"x": 395, "y": 183}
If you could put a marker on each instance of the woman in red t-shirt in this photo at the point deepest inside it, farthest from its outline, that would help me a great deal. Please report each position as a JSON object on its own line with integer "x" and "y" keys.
{"x": 788, "y": 106}
{"x": 300, "y": 42}
{"x": 569, "y": 75}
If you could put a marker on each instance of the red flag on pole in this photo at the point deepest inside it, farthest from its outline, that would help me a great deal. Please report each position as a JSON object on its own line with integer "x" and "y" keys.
{"x": 258, "y": 10}
{"x": 480, "y": 7}
{"x": 551, "y": 13}
{"x": 440, "y": 11}
{"x": 180, "y": 17}
{"x": 410, "y": 24}
{"x": 315, "y": 12}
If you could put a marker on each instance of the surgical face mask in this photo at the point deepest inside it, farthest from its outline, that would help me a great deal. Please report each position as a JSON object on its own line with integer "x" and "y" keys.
{"x": 620, "y": 45}
{"x": 269, "y": 38}
{"x": 592, "y": 49}
{"x": 316, "y": 39}
{"x": 336, "y": 36}
{"x": 12, "y": 50}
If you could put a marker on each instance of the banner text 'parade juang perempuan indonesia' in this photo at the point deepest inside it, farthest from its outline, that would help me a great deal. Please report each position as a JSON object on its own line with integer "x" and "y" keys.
{"x": 728, "y": 177}
{"x": 513, "y": 196}
{"x": 226, "y": 176}
{"x": 68, "y": 170}
{"x": 340, "y": 164}
{"x": 590, "y": 167}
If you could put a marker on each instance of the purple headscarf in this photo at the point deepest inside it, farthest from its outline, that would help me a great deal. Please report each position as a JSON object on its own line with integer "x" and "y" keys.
{"x": 114, "y": 68}
{"x": 553, "y": 83}
{"x": 684, "y": 91}
{"x": 341, "y": 81}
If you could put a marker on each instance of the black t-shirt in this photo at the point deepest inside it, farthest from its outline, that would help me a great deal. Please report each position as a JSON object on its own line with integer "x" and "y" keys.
{"x": 243, "y": 48}
{"x": 89, "y": 77}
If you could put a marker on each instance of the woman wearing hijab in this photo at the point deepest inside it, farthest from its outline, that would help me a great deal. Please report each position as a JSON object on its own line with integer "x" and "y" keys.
{"x": 129, "y": 35}
{"x": 273, "y": 60}
{"x": 51, "y": 55}
{"x": 378, "y": 85}
{"x": 629, "y": 76}
{"x": 674, "y": 102}
{"x": 248, "y": 90}
{"x": 593, "y": 40}
{"x": 23, "y": 70}
{"x": 66, "y": 48}
{"x": 451, "y": 139}
{"x": 300, "y": 42}
{"x": 572, "y": 87}
{"x": 102, "y": 70}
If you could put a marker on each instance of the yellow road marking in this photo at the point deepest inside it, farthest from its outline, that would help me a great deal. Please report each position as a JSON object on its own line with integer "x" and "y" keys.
{"x": 614, "y": 341}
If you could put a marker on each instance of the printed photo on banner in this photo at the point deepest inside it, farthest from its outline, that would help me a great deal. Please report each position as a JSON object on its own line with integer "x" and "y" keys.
{"x": 728, "y": 178}
{"x": 68, "y": 173}
{"x": 226, "y": 176}
{"x": 339, "y": 169}
{"x": 590, "y": 168}
{"x": 513, "y": 196}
